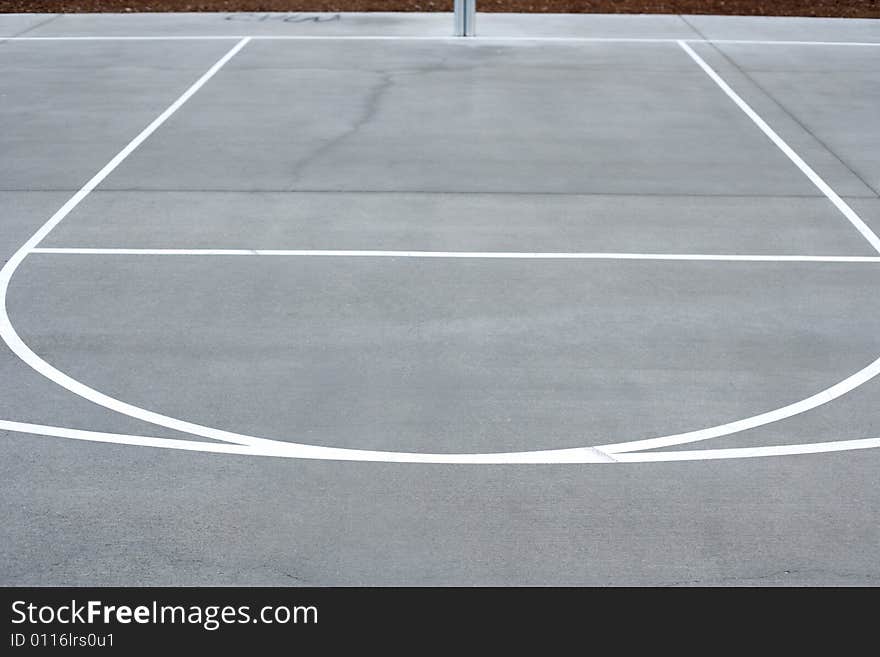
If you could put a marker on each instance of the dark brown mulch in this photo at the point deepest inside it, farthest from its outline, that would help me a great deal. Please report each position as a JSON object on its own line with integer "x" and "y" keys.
{"x": 843, "y": 8}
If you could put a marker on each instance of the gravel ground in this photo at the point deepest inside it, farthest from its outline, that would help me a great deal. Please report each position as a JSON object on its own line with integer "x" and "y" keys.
{"x": 842, "y": 8}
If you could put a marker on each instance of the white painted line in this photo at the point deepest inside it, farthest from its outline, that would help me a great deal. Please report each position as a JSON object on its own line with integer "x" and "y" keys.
{"x": 490, "y": 255}
{"x": 805, "y": 168}
{"x": 468, "y": 41}
{"x": 450, "y": 39}
{"x": 157, "y": 37}
{"x": 749, "y": 452}
{"x": 119, "y": 438}
{"x": 301, "y": 451}
{"x": 286, "y": 450}
{"x": 759, "y": 42}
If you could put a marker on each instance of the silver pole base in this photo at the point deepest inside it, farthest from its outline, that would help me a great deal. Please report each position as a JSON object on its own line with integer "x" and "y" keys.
{"x": 465, "y": 17}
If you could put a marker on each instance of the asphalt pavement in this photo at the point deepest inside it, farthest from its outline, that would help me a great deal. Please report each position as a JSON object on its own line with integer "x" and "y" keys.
{"x": 356, "y": 232}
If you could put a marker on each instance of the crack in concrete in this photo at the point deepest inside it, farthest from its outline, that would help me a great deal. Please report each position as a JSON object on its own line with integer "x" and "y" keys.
{"x": 6, "y": 39}
{"x": 370, "y": 108}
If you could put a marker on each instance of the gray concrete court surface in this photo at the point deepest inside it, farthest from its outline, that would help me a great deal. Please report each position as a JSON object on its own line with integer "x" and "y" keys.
{"x": 354, "y": 232}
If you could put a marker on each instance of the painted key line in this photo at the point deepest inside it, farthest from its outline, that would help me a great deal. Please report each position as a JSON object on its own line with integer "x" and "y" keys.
{"x": 480, "y": 255}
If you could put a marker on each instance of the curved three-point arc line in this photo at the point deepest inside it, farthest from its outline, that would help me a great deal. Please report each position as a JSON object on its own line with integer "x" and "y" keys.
{"x": 237, "y": 443}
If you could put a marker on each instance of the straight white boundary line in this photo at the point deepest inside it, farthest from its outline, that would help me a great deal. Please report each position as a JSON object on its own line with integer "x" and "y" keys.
{"x": 451, "y": 39}
{"x": 748, "y": 452}
{"x": 512, "y": 458}
{"x": 789, "y": 152}
{"x": 489, "y": 255}
{"x": 574, "y": 455}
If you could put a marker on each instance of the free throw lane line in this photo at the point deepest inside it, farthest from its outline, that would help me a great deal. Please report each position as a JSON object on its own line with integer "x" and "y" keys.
{"x": 489, "y": 255}
{"x": 798, "y": 161}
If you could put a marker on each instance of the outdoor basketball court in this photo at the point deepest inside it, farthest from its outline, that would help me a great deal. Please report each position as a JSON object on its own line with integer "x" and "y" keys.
{"x": 581, "y": 300}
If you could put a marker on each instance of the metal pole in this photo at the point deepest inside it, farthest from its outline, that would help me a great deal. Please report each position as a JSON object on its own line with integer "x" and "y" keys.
{"x": 465, "y": 17}
{"x": 470, "y": 18}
